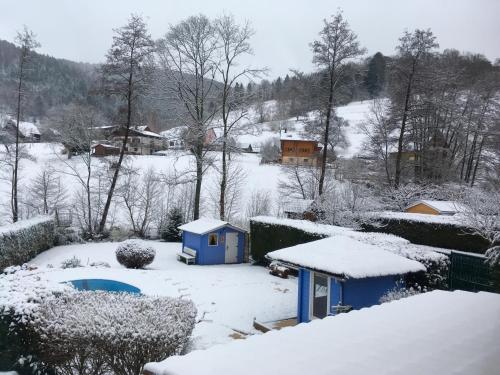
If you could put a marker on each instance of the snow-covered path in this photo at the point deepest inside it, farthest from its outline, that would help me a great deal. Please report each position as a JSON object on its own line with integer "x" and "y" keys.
{"x": 228, "y": 297}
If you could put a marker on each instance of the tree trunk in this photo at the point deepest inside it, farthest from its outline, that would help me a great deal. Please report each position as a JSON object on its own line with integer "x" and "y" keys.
{"x": 105, "y": 212}
{"x": 397, "y": 172}
{"x": 223, "y": 182}
{"x": 14, "y": 200}
{"x": 477, "y": 162}
{"x": 199, "y": 177}
{"x": 326, "y": 135}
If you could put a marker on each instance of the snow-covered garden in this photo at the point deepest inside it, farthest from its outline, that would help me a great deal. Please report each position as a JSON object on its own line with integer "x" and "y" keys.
{"x": 227, "y": 297}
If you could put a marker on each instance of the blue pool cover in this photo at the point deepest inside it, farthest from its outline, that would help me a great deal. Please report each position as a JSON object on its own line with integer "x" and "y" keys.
{"x": 103, "y": 284}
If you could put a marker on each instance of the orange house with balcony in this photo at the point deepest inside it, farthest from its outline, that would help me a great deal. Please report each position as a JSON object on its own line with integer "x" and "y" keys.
{"x": 299, "y": 150}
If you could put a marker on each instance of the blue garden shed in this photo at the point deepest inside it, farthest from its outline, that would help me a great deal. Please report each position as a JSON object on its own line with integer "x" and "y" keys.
{"x": 340, "y": 273}
{"x": 210, "y": 241}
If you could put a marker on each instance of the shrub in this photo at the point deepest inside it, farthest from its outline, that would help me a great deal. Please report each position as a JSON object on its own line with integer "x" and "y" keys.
{"x": 111, "y": 332}
{"x": 134, "y": 254}
{"x": 171, "y": 231}
{"x": 22, "y": 241}
{"x": 100, "y": 264}
{"x": 71, "y": 263}
{"x": 400, "y": 291}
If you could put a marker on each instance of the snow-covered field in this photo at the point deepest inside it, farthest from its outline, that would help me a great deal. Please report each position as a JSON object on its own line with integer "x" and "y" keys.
{"x": 254, "y": 175}
{"x": 228, "y": 297}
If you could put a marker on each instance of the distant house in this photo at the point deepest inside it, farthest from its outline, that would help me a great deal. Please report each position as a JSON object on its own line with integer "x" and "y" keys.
{"x": 141, "y": 140}
{"x": 28, "y": 131}
{"x": 103, "y": 149}
{"x": 299, "y": 209}
{"x": 174, "y": 137}
{"x": 299, "y": 150}
{"x": 210, "y": 241}
{"x": 340, "y": 273}
{"x": 433, "y": 207}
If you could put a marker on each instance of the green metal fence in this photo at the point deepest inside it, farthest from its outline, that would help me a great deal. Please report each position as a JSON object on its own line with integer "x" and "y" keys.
{"x": 470, "y": 272}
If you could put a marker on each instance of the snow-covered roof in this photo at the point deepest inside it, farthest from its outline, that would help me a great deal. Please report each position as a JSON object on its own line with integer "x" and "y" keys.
{"x": 296, "y": 137}
{"x": 297, "y": 205}
{"x": 438, "y": 332}
{"x": 456, "y": 220}
{"x": 28, "y": 129}
{"x": 204, "y": 225}
{"x": 443, "y": 207}
{"x": 174, "y": 133}
{"x": 346, "y": 257}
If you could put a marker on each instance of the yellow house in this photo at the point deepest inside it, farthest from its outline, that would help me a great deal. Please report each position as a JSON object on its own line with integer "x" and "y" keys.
{"x": 431, "y": 207}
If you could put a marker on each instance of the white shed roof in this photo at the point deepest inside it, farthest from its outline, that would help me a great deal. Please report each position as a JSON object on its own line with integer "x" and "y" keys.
{"x": 346, "y": 257}
{"x": 445, "y": 207}
{"x": 433, "y": 333}
{"x": 204, "y": 225}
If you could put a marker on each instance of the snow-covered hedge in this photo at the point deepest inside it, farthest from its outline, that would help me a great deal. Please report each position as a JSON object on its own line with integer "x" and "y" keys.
{"x": 270, "y": 233}
{"x": 111, "y": 332}
{"x": 135, "y": 254}
{"x": 22, "y": 290}
{"x": 448, "y": 232}
{"x": 22, "y": 241}
{"x": 50, "y": 325}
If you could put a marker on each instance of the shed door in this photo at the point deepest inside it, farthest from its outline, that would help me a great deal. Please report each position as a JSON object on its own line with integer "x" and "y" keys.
{"x": 231, "y": 247}
{"x": 319, "y": 295}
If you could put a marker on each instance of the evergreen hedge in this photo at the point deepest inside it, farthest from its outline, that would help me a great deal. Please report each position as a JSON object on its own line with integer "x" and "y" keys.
{"x": 265, "y": 238}
{"x": 447, "y": 236}
{"x": 22, "y": 241}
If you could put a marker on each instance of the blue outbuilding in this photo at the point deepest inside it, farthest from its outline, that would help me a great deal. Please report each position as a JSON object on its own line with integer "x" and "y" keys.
{"x": 210, "y": 241}
{"x": 340, "y": 273}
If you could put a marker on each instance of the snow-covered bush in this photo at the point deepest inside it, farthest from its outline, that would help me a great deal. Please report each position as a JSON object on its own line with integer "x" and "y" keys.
{"x": 22, "y": 241}
{"x": 71, "y": 263}
{"x": 22, "y": 290}
{"x": 399, "y": 292}
{"x": 135, "y": 254}
{"x": 111, "y": 332}
{"x": 100, "y": 264}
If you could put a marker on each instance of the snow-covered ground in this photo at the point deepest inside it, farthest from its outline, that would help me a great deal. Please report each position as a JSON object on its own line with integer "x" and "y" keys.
{"x": 228, "y": 297}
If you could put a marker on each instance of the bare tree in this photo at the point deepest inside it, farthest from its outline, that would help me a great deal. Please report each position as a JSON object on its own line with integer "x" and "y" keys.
{"x": 46, "y": 193}
{"x": 378, "y": 129}
{"x": 127, "y": 75}
{"x": 235, "y": 179}
{"x": 77, "y": 126}
{"x": 234, "y": 40}
{"x": 141, "y": 195}
{"x": 414, "y": 48}
{"x": 338, "y": 45}
{"x": 481, "y": 213}
{"x": 26, "y": 41}
{"x": 188, "y": 55}
{"x": 259, "y": 203}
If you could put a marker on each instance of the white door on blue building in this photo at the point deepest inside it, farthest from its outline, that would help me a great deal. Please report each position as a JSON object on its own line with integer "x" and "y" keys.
{"x": 231, "y": 247}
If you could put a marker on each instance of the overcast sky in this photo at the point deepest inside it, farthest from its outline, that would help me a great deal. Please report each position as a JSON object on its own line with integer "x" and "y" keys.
{"x": 81, "y": 30}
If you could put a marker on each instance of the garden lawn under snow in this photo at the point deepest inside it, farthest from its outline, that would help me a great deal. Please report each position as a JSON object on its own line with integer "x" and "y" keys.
{"x": 228, "y": 297}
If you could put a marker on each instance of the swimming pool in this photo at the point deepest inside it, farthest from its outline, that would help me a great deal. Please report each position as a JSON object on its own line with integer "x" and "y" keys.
{"x": 104, "y": 284}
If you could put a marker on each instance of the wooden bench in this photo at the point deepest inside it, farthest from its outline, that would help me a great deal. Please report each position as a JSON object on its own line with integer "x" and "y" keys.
{"x": 187, "y": 256}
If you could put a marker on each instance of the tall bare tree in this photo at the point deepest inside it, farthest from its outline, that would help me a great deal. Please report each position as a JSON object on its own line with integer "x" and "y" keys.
{"x": 234, "y": 44}
{"x": 77, "y": 127}
{"x": 27, "y": 42}
{"x": 337, "y": 45}
{"x": 127, "y": 75}
{"x": 413, "y": 50}
{"x": 189, "y": 57}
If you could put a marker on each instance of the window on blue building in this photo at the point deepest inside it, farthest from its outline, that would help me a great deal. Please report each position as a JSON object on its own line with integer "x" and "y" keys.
{"x": 213, "y": 239}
